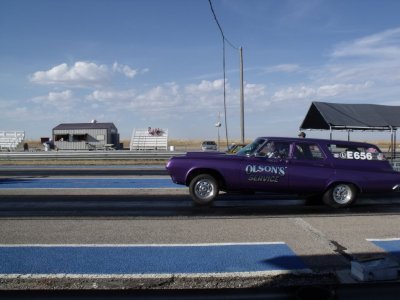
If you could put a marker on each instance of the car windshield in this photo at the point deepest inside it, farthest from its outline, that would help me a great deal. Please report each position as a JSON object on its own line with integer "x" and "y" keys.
{"x": 250, "y": 148}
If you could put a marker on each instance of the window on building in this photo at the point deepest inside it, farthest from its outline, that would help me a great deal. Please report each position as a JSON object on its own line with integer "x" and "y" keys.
{"x": 79, "y": 137}
{"x": 100, "y": 137}
{"x": 61, "y": 138}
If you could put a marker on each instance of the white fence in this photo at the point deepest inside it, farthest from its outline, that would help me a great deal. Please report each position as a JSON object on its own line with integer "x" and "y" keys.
{"x": 9, "y": 140}
{"x": 149, "y": 139}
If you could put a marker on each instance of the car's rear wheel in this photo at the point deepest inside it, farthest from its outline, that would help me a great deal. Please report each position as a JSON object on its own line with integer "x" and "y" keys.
{"x": 340, "y": 195}
{"x": 203, "y": 189}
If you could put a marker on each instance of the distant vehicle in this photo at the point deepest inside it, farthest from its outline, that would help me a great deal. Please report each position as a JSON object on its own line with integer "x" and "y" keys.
{"x": 209, "y": 146}
{"x": 333, "y": 172}
{"x": 234, "y": 148}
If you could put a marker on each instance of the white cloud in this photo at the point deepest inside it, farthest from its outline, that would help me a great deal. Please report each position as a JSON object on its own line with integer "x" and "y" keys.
{"x": 124, "y": 69}
{"x": 54, "y": 98}
{"x": 206, "y": 86}
{"x": 254, "y": 90}
{"x": 167, "y": 100}
{"x": 383, "y": 45}
{"x": 323, "y": 92}
{"x": 81, "y": 74}
{"x": 374, "y": 58}
{"x": 283, "y": 68}
{"x": 60, "y": 101}
{"x": 112, "y": 96}
{"x": 156, "y": 99}
{"x": 294, "y": 93}
{"x": 5, "y": 105}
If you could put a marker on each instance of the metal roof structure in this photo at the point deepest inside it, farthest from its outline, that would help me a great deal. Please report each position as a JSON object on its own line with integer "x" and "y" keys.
{"x": 350, "y": 117}
{"x": 328, "y": 116}
{"x": 93, "y": 125}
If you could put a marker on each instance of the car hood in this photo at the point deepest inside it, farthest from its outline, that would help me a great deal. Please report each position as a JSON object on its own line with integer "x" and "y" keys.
{"x": 204, "y": 154}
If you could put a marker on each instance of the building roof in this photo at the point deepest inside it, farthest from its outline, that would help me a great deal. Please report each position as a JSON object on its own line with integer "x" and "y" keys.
{"x": 71, "y": 126}
{"x": 323, "y": 115}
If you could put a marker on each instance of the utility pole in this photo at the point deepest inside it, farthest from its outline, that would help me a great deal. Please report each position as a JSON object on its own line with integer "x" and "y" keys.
{"x": 241, "y": 97}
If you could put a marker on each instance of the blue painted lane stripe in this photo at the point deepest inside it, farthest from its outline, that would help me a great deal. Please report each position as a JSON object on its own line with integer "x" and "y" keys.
{"x": 148, "y": 259}
{"x": 86, "y": 183}
{"x": 58, "y": 167}
{"x": 391, "y": 246}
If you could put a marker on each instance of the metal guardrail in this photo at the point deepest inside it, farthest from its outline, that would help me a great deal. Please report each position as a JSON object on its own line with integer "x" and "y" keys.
{"x": 89, "y": 155}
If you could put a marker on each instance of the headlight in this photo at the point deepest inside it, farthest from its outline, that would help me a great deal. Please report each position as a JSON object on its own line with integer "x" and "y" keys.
{"x": 168, "y": 164}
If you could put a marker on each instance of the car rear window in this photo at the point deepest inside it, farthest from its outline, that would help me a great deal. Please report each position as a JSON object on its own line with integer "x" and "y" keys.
{"x": 307, "y": 151}
{"x": 343, "y": 151}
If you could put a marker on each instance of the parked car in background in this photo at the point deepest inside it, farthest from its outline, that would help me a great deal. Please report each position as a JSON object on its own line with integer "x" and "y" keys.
{"x": 333, "y": 172}
{"x": 234, "y": 148}
{"x": 209, "y": 146}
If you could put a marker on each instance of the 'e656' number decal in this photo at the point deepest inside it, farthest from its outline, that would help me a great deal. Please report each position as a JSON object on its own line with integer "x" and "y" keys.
{"x": 356, "y": 155}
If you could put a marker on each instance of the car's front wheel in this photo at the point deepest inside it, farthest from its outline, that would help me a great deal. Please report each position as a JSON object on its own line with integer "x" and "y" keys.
{"x": 340, "y": 195}
{"x": 203, "y": 189}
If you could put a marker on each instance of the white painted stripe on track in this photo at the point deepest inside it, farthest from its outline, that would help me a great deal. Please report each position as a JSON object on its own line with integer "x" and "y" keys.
{"x": 384, "y": 240}
{"x": 140, "y": 245}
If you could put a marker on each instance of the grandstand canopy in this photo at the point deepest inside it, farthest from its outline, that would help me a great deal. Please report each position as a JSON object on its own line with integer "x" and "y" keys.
{"x": 335, "y": 116}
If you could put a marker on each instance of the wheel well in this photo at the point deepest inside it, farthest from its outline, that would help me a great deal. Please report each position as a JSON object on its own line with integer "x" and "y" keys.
{"x": 358, "y": 189}
{"x": 213, "y": 173}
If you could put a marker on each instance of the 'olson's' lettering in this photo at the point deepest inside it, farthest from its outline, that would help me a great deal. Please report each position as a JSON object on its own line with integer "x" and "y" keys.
{"x": 251, "y": 169}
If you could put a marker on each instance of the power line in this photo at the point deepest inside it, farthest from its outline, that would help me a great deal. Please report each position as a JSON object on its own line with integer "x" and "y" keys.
{"x": 220, "y": 28}
{"x": 224, "y": 39}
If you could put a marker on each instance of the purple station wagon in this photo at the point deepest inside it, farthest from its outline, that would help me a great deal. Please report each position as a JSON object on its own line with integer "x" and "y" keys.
{"x": 332, "y": 171}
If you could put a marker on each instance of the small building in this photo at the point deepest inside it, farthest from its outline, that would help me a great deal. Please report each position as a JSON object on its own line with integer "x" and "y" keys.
{"x": 86, "y": 136}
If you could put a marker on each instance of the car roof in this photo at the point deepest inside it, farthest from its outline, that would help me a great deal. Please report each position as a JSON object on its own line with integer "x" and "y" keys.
{"x": 294, "y": 139}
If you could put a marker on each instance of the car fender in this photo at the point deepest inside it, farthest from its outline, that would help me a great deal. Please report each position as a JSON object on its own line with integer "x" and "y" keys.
{"x": 333, "y": 181}
{"x": 193, "y": 172}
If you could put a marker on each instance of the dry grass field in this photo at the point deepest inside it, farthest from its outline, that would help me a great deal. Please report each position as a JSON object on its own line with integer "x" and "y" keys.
{"x": 179, "y": 144}
{"x": 195, "y": 145}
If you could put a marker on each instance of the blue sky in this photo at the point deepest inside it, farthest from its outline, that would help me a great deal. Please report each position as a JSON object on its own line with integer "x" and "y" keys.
{"x": 158, "y": 63}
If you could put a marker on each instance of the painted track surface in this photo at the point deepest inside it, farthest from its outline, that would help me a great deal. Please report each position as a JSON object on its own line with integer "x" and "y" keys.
{"x": 90, "y": 170}
{"x": 87, "y": 183}
{"x": 144, "y": 260}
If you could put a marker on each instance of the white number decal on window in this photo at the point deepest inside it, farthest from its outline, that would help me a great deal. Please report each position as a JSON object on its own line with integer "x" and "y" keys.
{"x": 357, "y": 155}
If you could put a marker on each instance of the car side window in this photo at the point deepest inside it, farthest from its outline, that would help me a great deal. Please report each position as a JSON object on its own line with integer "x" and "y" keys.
{"x": 350, "y": 152}
{"x": 274, "y": 149}
{"x": 307, "y": 151}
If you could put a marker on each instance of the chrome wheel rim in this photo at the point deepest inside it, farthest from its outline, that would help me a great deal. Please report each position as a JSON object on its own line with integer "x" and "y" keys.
{"x": 204, "y": 189}
{"x": 342, "y": 194}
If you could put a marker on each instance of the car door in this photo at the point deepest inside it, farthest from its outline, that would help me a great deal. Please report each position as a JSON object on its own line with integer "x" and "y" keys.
{"x": 267, "y": 169}
{"x": 310, "y": 170}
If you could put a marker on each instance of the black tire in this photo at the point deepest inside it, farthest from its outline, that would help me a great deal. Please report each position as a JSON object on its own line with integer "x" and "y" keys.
{"x": 203, "y": 189}
{"x": 340, "y": 195}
